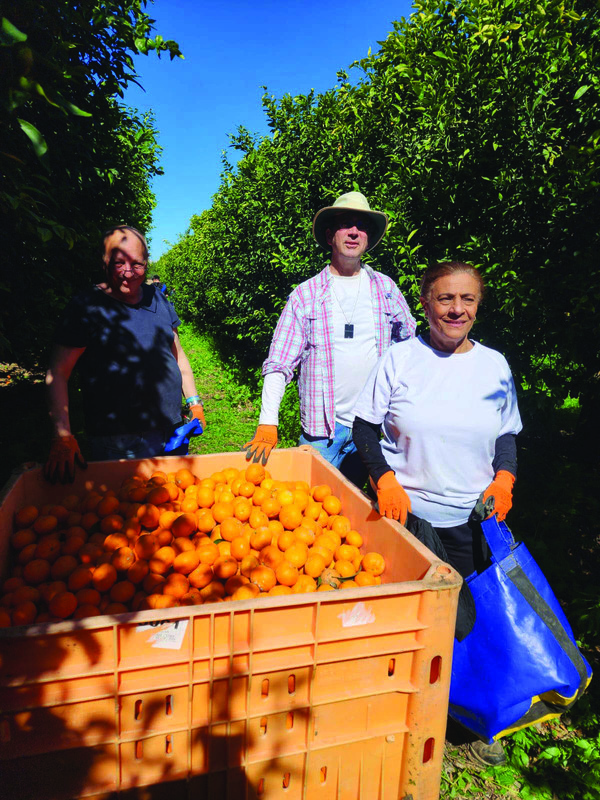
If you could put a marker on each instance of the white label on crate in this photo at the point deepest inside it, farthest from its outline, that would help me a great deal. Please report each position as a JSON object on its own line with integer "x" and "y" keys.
{"x": 167, "y": 635}
{"x": 359, "y": 615}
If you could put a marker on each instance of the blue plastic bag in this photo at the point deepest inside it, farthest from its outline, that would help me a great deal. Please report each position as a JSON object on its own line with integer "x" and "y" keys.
{"x": 181, "y": 435}
{"x": 520, "y": 663}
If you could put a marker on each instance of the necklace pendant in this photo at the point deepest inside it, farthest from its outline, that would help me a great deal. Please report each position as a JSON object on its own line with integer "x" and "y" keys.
{"x": 348, "y": 331}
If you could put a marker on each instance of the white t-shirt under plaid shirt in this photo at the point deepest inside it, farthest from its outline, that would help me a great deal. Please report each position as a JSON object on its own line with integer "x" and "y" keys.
{"x": 304, "y": 339}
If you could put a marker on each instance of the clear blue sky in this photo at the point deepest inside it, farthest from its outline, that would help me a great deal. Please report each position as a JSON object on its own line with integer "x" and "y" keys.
{"x": 231, "y": 50}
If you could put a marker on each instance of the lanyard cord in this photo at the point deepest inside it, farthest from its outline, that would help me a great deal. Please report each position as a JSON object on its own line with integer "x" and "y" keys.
{"x": 348, "y": 321}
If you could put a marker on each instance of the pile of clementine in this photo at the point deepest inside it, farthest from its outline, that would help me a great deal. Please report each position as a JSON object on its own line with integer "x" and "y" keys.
{"x": 176, "y": 539}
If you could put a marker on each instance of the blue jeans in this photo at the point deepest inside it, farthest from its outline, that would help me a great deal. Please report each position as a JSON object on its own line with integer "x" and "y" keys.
{"x": 340, "y": 452}
{"x": 132, "y": 445}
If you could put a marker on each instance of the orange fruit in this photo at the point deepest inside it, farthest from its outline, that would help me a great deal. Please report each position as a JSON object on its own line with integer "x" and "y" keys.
{"x": 63, "y": 567}
{"x": 346, "y": 552}
{"x": 184, "y": 478}
{"x": 62, "y": 604}
{"x": 189, "y": 505}
{"x": 88, "y": 596}
{"x": 304, "y": 584}
{"x": 271, "y": 507}
{"x": 312, "y": 510}
{"x": 202, "y": 576}
{"x": 319, "y": 493}
{"x": 224, "y": 567}
{"x": 36, "y": 571}
{"x": 26, "y": 516}
{"x": 205, "y": 521}
{"x": 287, "y": 573}
{"x": 271, "y": 556}
{"x": 138, "y": 571}
{"x": 258, "y": 519}
{"x": 152, "y": 583}
{"x": 213, "y": 588}
{"x": 146, "y": 546}
{"x": 167, "y": 518}
{"x": 332, "y": 504}
{"x": 351, "y": 584}
{"x": 89, "y": 553}
{"x": 279, "y": 590}
{"x": 123, "y": 558}
{"x": 48, "y": 548}
{"x": 208, "y": 552}
{"x": 79, "y": 578}
{"x": 354, "y": 538}
{"x": 233, "y": 584}
{"x": 185, "y": 525}
{"x": 290, "y": 517}
{"x": 191, "y": 598}
{"x": 240, "y": 547}
{"x": 247, "y": 564}
{"x": 48, "y": 590}
{"x": 286, "y": 539}
{"x": 5, "y": 619}
{"x": 315, "y": 564}
{"x": 264, "y": 577}
{"x": 230, "y": 528}
{"x": 89, "y": 520}
{"x": 104, "y": 576}
{"x": 300, "y": 499}
{"x": 344, "y": 568}
{"x": 27, "y": 553}
{"x": 261, "y": 537}
{"x": 158, "y": 495}
{"x": 246, "y": 592}
{"x": 122, "y": 591}
{"x": 85, "y": 610}
{"x": 363, "y": 578}
{"x": 205, "y": 496}
{"x": 72, "y": 545}
{"x": 373, "y": 563}
{"x": 163, "y": 538}
{"x": 297, "y": 554}
{"x": 45, "y": 524}
{"x": 116, "y": 608}
{"x": 325, "y": 587}
{"x": 111, "y": 523}
{"x": 158, "y": 601}
{"x": 149, "y": 515}
{"x": 182, "y": 545}
{"x": 255, "y": 473}
{"x": 325, "y": 552}
{"x": 25, "y": 593}
{"x": 176, "y": 585}
{"x": 162, "y": 561}
{"x": 341, "y": 525}
{"x": 106, "y": 506}
{"x": 114, "y": 541}
{"x": 172, "y": 489}
{"x": 10, "y": 584}
{"x": 22, "y": 538}
{"x": 25, "y": 613}
{"x": 186, "y": 562}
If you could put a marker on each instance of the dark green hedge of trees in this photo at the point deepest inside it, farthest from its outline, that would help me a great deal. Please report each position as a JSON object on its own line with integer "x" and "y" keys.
{"x": 476, "y": 127}
{"x": 73, "y": 159}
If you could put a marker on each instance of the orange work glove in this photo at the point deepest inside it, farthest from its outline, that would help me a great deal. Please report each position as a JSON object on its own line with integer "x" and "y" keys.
{"x": 265, "y": 439}
{"x": 501, "y": 490}
{"x": 61, "y": 461}
{"x": 198, "y": 413}
{"x": 393, "y": 501}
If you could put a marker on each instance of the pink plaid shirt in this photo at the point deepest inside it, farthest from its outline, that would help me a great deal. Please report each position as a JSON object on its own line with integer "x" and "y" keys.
{"x": 303, "y": 338}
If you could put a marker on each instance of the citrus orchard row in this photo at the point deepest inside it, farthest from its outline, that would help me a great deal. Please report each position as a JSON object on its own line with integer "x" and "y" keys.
{"x": 177, "y": 539}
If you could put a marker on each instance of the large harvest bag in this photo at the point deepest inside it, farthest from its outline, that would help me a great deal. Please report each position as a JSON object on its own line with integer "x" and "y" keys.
{"x": 519, "y": 665}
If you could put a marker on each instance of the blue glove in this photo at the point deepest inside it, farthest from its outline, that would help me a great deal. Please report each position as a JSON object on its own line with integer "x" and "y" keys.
{"x": 181, "y": 435}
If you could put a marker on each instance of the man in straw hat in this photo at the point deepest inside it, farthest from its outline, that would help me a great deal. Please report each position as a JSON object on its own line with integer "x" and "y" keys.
{"x": 333, "y": 329}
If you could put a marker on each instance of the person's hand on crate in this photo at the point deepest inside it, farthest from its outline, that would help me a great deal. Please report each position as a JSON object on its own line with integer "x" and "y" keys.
{"x": 260, "y": 446}
{"x": 393, "y": 501}
{"x": 501, "y": 490}
{"x": 197, "y": 412}
{"x": 64, "y": 452}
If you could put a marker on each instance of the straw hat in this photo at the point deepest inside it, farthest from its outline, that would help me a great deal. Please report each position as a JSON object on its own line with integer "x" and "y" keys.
{"x": 351, "y": 201}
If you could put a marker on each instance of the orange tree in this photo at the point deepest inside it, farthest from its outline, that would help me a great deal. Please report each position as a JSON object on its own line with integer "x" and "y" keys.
{"x": 73, "y": 159}
{"x": 475, "y": 127}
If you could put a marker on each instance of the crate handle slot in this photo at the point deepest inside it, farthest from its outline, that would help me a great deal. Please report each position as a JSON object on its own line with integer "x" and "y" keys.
{"x": 291, "y": 684}
{"x": 435, "y": 670}
{"x": 286, "y": 780}
{"x": 169, "y": 705}
{"x": 428, "y": 748}
{"x": 289, "y": 720}
{"x": 263, "y": 725}
{"x": 168, "y": 744}
{"x": 264, "y": 690}
{"x": 323, "y": 774}
{"x": 139, "y": 750}
{"x": 391, "y": 667}
{"x": 137, "y": 710}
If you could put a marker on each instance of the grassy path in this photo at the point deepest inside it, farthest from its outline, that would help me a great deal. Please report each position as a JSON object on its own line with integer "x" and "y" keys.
{"x": 231, "y": 417}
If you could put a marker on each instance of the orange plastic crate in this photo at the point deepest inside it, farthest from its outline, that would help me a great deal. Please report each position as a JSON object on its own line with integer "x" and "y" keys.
{"x": 321, "y": 696}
